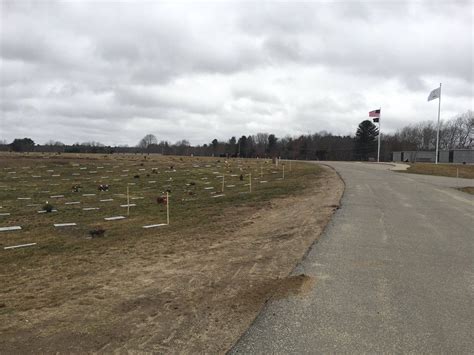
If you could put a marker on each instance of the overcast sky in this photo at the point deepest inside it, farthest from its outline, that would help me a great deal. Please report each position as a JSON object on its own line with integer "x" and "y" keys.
{"x": 113, "y": 71}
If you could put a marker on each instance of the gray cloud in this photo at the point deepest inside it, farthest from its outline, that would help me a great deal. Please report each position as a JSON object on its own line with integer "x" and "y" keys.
{"x": 200, "y": 71}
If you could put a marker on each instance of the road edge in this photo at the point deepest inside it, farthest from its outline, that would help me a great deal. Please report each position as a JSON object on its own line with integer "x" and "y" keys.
{"x": 296, "y": 270}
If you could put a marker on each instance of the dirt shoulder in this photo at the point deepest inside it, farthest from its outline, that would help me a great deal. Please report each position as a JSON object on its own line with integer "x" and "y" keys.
{"x": 196, "y": 294}
{"x": 467, "y": 189}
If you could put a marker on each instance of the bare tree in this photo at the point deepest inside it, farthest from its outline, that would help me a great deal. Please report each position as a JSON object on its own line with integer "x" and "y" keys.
{"x": 146, "y": 141}
{"x": 261, "y": 142}
{"x": 466, "y": 137}
{"x": 458, "y": 133}
{"x": 54, "y": 143}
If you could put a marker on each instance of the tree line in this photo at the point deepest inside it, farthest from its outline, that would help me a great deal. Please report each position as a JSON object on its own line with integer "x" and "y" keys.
{"x": 457, "y": 133}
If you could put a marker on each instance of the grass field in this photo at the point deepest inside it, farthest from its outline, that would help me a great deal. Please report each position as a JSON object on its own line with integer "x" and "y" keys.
{"x": 451, "y": 170}
{"x": 191, "y": 286}
{"x": 194, "y": 185}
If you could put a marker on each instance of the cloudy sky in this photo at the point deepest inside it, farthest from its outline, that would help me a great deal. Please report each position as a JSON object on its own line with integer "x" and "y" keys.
{"x": 113, "y": 71}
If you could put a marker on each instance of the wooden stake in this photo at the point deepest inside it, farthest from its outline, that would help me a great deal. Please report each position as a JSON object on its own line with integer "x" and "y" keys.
{"x": 167, "y": 208}
{"x": 283, "y": 170}
{"x": 457, "y": 176}
{"x": 250, "y": 182}
{"x": 290, "y": 165}
{"x": 223, "y": 182}
{"x": 128, "y": 201}
{"x": 261, "y": 171}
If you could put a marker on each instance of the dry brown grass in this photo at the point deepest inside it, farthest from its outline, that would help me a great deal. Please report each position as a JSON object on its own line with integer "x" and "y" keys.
{"x": 450, "y": 170}
{"x": 190, "y": 287}
{"x": 468, "y": 189}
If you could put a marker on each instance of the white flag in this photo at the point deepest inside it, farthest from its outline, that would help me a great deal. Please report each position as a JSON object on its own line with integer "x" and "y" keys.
{"x": 434, "y": 94}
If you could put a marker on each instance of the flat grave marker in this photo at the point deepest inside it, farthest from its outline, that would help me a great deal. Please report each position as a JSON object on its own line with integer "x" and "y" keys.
{"x": 154, "y": 225}
{"x": 114, "y": 218}
{"x": 64, "y": 224}
{"x": 43, "y": 211}
{"x": 19, "y": 246}
{"x": 12, "y": 228}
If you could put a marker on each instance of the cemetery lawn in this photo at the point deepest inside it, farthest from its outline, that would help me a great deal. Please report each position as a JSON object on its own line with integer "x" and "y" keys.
{"x": 465, "y": 171}
{"x": 193, "y": 286}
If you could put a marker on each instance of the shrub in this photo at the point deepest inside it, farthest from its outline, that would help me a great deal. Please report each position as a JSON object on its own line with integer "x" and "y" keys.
{"x": 48, "y": 207}
{"x": 97, "y": 232}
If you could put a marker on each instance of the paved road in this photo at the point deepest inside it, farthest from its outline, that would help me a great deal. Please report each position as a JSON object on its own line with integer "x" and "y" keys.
{"x": 394, "y": 272}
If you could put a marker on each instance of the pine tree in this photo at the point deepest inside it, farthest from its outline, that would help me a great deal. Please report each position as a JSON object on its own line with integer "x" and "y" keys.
{"x": 366, "y": 140}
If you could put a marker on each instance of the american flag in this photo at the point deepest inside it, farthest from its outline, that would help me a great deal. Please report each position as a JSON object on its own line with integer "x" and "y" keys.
{"x": 374, "y": 113}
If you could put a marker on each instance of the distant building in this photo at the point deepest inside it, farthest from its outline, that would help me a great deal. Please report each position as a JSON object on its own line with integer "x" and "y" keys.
{"x": 456, "y": 156}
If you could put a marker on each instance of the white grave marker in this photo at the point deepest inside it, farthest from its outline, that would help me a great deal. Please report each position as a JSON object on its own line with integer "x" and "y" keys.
{"x": 154, "y": 225}
{"x": 19, "y": 246}
{"x": 13, "y": 228}
{"x": 43, "y": 211}
{"x": 115, "y": 218}
{"x": 65, "y": 224}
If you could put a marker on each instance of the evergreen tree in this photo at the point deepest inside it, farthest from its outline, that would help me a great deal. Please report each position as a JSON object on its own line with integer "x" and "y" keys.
{"x": 22, "y": 145}
{"x": 366, "y": 140}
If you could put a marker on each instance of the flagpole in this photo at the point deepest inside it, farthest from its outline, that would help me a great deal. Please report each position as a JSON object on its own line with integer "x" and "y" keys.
{"x": 378, "y": 149}
{"x": 437, "y": 131}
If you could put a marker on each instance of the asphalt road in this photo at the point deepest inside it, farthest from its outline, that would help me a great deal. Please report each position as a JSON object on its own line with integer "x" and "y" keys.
{"x": 394, "y": 272}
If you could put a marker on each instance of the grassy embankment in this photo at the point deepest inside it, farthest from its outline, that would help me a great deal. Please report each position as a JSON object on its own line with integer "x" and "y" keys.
{"x": 450, "y": 170}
